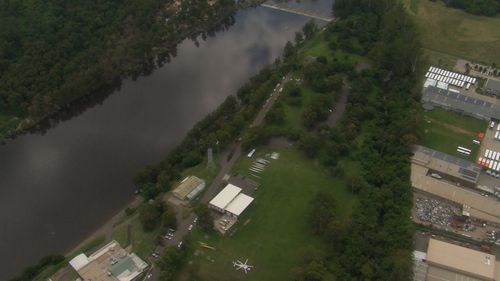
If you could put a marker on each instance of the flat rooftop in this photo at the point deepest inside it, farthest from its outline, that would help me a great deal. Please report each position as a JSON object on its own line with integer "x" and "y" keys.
{"x": 463, "y": 260}
{"x": 239, "y": 204}
{"x": 445, "y": 163}
{"x": 481, "y": 207}
{"x": 223, "y": 198}
{"x": 110, "y": 263}
{"x": 474, "y": 106}
{"x": 492, "y": 84}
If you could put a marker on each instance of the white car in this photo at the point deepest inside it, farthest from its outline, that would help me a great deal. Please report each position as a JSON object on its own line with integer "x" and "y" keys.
{"x": 190, "y": 227}
{"x": 179, "y": 245}
{"x": 195, "y": 220}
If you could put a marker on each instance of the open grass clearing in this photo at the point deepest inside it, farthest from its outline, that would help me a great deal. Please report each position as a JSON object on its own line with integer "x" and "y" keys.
{"x": 455, "y": 32}
{"x": 446, "y": 130}
{"x": 201, "y": 170}
{"x": 143, "y": 242}
{"x": 273, "y": 233}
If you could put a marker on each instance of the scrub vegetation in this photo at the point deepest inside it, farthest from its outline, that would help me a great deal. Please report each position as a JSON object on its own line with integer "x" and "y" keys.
{"x": 457, "y": 33}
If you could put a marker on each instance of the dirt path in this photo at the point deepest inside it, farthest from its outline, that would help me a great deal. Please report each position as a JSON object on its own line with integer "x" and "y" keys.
{"x": 340, "y": 106}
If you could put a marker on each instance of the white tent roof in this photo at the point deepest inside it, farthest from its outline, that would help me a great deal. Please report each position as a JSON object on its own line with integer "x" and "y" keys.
{"x": 430, "y": 82}
{"x": 239, "y": 204}
{"x": 225, "y": 196}
{"x": 79, "y": 261}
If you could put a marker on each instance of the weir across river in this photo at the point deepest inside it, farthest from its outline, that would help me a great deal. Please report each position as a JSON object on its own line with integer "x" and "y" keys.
{"x": 298, "y": 12}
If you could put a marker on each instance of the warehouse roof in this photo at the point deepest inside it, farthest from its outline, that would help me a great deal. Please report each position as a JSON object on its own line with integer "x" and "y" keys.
{"x": 187, "y": 185}
{"x": 79, "y": 261}
{"x": 110, "y": 263}
{"x": 463, "y": 103}
{"x": 239, "y": 204}
{"x": 225, "y": 196}
{"x": 446, "y": 163}
{"x": 492, "y": 84}
{"x": 461, "y": 259}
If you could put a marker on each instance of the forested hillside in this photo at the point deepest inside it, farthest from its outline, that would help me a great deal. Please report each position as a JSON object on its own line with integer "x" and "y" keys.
{"x": 378, "y": 128}
{"x": 54, "y": 52}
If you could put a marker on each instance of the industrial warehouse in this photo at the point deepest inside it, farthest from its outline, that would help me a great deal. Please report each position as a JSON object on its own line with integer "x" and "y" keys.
{"x": 449, "y": 262}
{"x": 475, "y": 107}
{"x": 110, "y": 263}
{"x": 189, "y": 188}
{"x": 453, "y": 194}
{"x": 230, "y": 202}
{"x": 454, "y": 179}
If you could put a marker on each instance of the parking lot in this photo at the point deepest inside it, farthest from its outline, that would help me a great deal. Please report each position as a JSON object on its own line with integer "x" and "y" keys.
{"x": 432, "y": 210}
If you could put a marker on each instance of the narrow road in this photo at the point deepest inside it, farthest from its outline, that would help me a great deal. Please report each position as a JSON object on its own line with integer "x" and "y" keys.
{"x": 340, "y": 106}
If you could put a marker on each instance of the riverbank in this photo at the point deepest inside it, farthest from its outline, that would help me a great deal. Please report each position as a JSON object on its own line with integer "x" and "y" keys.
{"x": 159, "y": 51}
{"x": 88, "y": 158}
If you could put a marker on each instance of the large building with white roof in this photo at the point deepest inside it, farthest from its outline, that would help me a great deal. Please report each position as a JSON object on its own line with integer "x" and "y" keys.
{"x": 450, "y": 262}
{"x": 110, "y": 263}
{"x": 231, "y": 201}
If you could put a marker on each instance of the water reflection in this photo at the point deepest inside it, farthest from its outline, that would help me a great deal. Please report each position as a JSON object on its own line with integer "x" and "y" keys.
{"x": 58, "y": 187}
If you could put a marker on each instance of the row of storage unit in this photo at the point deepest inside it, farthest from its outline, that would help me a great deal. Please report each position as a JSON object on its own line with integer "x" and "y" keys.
{"x": 453, "y": 75}
{"x": 490, "y": 154}
{"x": 489, "y": 164}
{"x": 446, "y": 80}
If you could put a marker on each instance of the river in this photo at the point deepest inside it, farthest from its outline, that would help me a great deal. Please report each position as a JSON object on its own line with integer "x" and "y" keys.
{"x": 57, "y": 188}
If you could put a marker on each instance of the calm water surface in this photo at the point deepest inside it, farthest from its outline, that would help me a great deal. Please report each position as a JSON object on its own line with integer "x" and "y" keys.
{"x": 57, "y": 188}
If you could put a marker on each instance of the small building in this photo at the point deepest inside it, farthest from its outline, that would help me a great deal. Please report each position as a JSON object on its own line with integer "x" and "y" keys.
{"x": 231, "y": 201}
{"x": 189, "y": 188}
{"x": 110, "y": 263}
{"x": 492, "y": 86}
{"x": 452, "y": 262}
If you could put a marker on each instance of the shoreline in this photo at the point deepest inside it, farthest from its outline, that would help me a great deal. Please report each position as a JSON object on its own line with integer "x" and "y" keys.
{"x": 31, "y": 124}
{"x": 106, "y": 227}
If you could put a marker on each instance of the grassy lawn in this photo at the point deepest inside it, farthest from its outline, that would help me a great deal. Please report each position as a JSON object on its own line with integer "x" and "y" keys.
{"x": 202, "y": 172}
{"x": 445, "y": 130}
{"x": 457, "y": 33}
{"x": 274, "y": 233}
{"x": 315, "y": 47}
{"x": 143, "y": 242}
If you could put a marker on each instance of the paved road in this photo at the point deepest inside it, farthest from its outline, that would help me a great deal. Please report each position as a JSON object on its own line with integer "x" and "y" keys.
{"x": 227, "y": 160}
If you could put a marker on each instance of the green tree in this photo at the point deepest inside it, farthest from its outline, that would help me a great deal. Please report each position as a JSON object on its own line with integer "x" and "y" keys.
{"x": 298, "y": 38}
{"x": 150, "y": 215}
{"x": 309, "y": 29}
{"x": 205, "y": 219}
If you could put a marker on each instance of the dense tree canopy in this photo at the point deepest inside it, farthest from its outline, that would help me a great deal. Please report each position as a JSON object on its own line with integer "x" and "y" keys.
{"x": 54, "y": 52}
{"x": 476, "y": 7}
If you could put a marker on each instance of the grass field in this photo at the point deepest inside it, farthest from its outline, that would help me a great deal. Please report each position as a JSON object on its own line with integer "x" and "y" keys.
{"x": 445, "y": 130}
{"x": 457, "y": 33}
{"x": 274, "y": 233}
{"x": 143, "y": 241}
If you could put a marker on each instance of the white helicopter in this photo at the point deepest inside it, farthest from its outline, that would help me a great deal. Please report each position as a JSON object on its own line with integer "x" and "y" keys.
{"x": 240, "y": 265}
